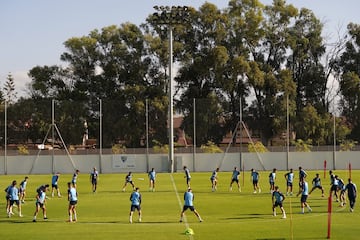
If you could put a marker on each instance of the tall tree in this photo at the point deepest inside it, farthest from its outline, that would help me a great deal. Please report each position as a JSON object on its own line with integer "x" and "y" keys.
{"x": 10, "y": 93}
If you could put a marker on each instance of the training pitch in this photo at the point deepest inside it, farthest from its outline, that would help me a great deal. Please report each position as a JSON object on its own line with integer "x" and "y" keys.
{"x": 226, "y": 214}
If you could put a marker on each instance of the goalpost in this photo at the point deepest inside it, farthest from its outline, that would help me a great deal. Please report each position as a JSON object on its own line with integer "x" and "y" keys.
{"x": 53, "y": 127}
{"x": 241, "y": 124}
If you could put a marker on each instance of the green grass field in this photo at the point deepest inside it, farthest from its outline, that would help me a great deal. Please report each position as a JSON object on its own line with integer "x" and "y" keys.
{"x": 227, "y": 215}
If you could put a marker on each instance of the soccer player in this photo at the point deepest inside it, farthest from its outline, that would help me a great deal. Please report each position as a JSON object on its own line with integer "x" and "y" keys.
{"x": 302, "y": 174}
{"x": 304, "y": 191}
{"x": 72, "y": 198}
{"x": 135, "y": 199}
{"x": 13, "y": 192}
{"x": 22, "y": 189}
{"x": 213, "y": 179}
{"x": 94, "y": 176}
{"x": 289, "y": 176}
{"x": 316, "y": 182}
{"x": 128, "y": 179}
{"x": 152, "y": 176}
{"x": 277, "y": 201}
{"x": 40, "y": 201}
{"x": 54, "y": 185}
{"x": 187, "y": 176}
{"x": 188, "y": 204}
{"x": 235, "y": 178}
{"x": 351, "y": 192}
{"x": 272, "y": 177}
{"x": 7, "y": 198}
{"x": 255, "y": 176}
{"x": 334, "y": 185}
{"x": 341, "y": 189}
{"x": 74, "y": 177}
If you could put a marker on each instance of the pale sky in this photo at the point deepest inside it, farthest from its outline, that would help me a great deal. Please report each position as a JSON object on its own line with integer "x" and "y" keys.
{"x": 33, "y": 31}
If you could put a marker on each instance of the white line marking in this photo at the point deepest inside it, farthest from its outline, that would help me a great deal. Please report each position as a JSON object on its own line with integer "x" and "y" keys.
{"x": 180, "y": 205}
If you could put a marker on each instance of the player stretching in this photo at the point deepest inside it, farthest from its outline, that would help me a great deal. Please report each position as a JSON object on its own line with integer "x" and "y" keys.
{"x": 317, "y": 184}
{"x": 188, "y": 204}
{"x": 277, "y": 201}
{"x": 128, "y": 179}
{"x": 235, "y": 178}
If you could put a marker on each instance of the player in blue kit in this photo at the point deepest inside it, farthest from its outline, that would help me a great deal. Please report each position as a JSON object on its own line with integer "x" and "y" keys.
{"x": 304, "y": 191}
{"x": 277, "y": 201}
{"x": 255, "y": 176}
{"x": 135, "y": 199}
{"x": 22, "y": 189}
{"x": 235, "y": 178}
{"x": 188, "y": 204}
{"x": 13, "y": 193}
{"x": 187, "y": 176}
{"x": 214, "y": 180}
{"x": 94, "y": 176}
{"x": 272, "y": 177}
{"x": 55, "y": 185}
{"x": 72, "y": 198}
{"x": 40, "y": 201}
{"x": 289, "y": 176}
{"x": 74, "y": 177}
{"x": 152, "y": 176}
{"x": 317, "y": 184}
{"x": 128, "y": 179}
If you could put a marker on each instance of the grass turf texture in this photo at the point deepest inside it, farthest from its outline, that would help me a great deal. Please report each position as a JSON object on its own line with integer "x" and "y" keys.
{"x": 105, "y": 214}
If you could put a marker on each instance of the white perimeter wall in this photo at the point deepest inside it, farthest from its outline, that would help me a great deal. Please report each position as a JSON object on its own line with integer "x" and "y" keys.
{"x": 203, "y": 162}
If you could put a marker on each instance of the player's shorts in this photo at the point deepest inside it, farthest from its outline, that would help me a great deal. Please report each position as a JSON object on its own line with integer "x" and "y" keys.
{"x": 255, "y": 182}
{"x": 54, "y": 186}
{"x": 94, "y": 181}
{"x": 73, "y": 203}
{"x": 289, "y": 184}
{"x": 235, "y": 180}
{"x": 334, "y": 187}
{"x": 14, "y": 201}
{"x": 318, "y": 186}
{"x": 304, "y": 198}
{"x": 192, "y": 208}
{"x": 188, "y": 180}
{"x": 133, "y": 207}
{"x": 131, "y": 182}
{"x": 278, "y": 204}
{"x": 41, "y": 205}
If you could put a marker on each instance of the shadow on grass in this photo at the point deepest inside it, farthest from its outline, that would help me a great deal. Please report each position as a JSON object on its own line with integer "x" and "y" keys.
{"x": 249, "y": 216}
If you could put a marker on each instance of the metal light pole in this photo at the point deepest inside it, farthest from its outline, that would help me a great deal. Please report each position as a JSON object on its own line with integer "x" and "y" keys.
{"x": 170, "y": 16}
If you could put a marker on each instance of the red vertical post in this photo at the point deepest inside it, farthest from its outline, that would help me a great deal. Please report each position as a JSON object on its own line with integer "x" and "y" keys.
{"x": 324, "y": 168}
{"x": 349, "y": 170}
{"x": 243, "y": 175}
{"x": 329, "y": 216}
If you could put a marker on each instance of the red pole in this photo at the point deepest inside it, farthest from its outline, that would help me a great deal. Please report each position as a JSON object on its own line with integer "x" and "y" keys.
{"x": 349, "y": 170}
{"x": 243, "y": 175}
{"x": 329, "y": 216}
{"x": 324, "y": 168}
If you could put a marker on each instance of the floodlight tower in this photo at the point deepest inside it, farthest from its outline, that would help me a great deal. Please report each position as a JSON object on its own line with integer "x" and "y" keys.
{"x": 171, "y": 16}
